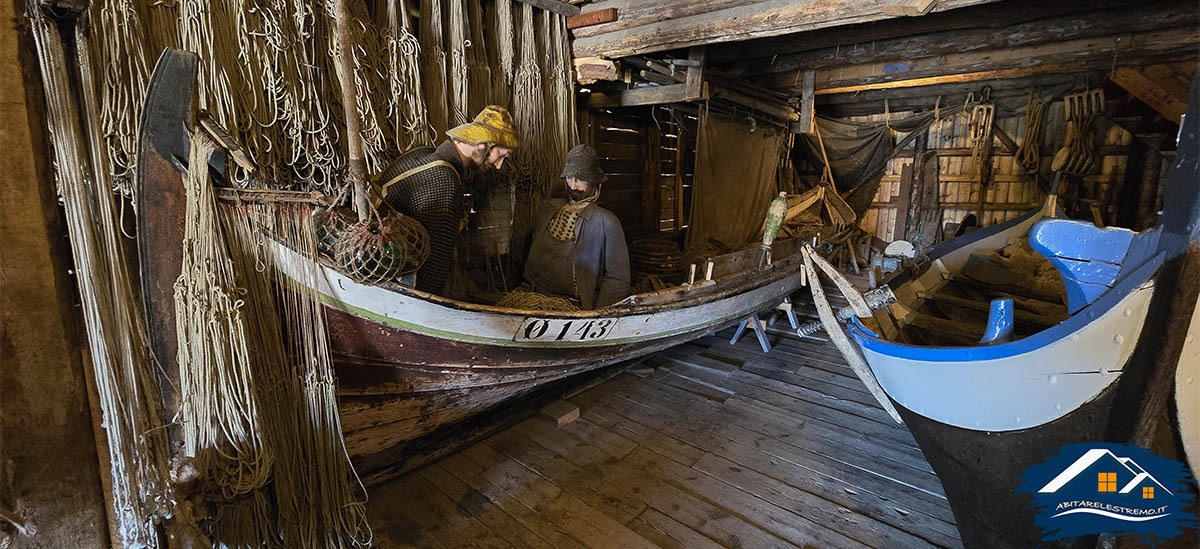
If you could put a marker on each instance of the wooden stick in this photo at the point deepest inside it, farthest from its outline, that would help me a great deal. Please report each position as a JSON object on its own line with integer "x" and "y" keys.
{"x": 356, "y": 172}
{"x": 842, "y": 342}
{"x": 824, "y": 157}
{"x": 852, "y": 295}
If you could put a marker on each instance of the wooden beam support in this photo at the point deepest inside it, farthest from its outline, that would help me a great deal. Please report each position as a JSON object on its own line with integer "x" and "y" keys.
{"x": 807, "y": 101}
{"x": 651, "y": 168}
{"x": 1147, "y": 205}
{"x": 909, "y": 8}
{"x": 695, "y": 73}
{"x": 562, "y": 8}
{"x": 1069, "y": 56}
{"x": 649, "y": 95}
{"x": 987, "y": 36}
{"x": 646, "y": 27}
{"x": 680, "y": 143}
{"x": 607, "y": 15}
{"x": 1170, "y": 106}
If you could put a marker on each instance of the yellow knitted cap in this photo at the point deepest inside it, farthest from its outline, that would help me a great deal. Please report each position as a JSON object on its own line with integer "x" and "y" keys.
{"x": 493, "y": 125}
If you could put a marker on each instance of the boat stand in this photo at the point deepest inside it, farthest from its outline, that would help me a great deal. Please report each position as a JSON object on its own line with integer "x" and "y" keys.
{"x": 760, "y": 330}
{"x": 786, "y": 307}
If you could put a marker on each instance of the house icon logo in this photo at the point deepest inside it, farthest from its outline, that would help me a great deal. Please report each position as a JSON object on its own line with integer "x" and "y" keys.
{"x": 1095, "y": 488}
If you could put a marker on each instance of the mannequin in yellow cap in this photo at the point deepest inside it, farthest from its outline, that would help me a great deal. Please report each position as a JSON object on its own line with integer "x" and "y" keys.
{"x": 426, "y": 184}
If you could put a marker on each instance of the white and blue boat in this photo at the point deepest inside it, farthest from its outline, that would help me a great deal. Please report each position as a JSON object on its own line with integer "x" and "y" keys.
{"x": 983, "y": 412}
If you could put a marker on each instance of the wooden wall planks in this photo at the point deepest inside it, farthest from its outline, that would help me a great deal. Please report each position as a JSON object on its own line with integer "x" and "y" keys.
{"x": 1012, "y": 192}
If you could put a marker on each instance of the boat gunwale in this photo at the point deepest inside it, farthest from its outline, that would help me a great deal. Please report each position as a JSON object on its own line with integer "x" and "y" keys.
{"x": 736, "y": 284}
{"x": 1098, "y": 308}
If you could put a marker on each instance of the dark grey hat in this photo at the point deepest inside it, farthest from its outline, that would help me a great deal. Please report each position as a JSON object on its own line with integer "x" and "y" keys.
{"x": 582, "y": 163}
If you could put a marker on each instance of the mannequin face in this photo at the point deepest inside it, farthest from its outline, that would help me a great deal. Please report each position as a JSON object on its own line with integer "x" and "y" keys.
{"x": 579, "y": 189}
{"x": 482, "y": 158}
{"x": 496, "y": 157}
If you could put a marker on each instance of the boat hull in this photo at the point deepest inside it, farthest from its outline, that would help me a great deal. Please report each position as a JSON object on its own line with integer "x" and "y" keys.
{"x": 980, "y": 470}
{"x": 407, "y": 366}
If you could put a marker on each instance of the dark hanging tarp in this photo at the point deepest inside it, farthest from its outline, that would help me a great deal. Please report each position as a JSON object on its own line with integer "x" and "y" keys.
{"x": 859, "y": 151}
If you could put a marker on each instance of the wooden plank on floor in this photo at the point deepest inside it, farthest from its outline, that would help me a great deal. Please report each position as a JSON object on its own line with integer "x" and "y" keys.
{"x": 479, "y": 507}
{"x": 693, "y": 356}
{"x": 859, "y": 527}
{"x": 471, "y": 474}
{"x": 696, "y": 513}
{"x": 646, "y": 437}
{"x": 782, "y": 405}
{"x": 660, "y": 442}
{"x": 889, "y": 503}
{"x": 680, "y": 379}
{"x": 437, "y": 520}
{"x": 596, "y": 492}
{"x": 798, "y": 529}
{"x": 669, "y": 533}
{"x": 711, "y": 429}
{"x": 561, "y": 509}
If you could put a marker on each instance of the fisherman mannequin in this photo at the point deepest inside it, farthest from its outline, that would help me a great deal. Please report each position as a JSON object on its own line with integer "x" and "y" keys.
{"x": 578, "y": 248}
{"x": 426, "y": 184}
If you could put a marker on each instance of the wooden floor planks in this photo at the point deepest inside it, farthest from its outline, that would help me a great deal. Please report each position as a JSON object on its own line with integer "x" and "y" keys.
{"x": 719, "y": 446}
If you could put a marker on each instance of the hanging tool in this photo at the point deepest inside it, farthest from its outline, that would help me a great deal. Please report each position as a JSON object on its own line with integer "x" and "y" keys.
{"x": 1077, "y": 157}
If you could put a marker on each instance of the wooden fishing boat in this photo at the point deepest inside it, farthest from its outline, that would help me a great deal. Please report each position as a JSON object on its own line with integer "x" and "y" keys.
{"x": 983, "y": 413}
{"x": 410, "y": 364}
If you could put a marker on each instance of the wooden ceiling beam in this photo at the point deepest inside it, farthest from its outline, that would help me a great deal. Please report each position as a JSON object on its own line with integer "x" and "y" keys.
{"x": 1006, "y": 90}
{"x": 1151, "y": 92}
{"x": 1042, "y": 31}
{"x": 1068, "y": 56}
{"x": 995, "y": 16}
{"x": 557, "y": 6}
{"x": 646, "y": 27}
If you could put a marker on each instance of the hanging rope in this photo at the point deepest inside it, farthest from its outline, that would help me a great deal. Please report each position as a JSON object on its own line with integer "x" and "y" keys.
{"x": 277, "y": 473}
{"x": 459, "y": 76}
{"x": 127, "y": 392}
{"x": 505, "y": 40}
{"x": 528, "y": 105}
{"x": 434, "y": 73}
{"x": 1029, "y": 153}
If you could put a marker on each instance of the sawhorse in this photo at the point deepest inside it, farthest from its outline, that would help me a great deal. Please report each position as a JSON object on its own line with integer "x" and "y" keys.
{"x": 760, "y": 327}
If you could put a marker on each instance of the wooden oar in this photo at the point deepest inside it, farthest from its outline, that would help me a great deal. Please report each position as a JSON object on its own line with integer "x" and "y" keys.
{"x": 840, "y": 340}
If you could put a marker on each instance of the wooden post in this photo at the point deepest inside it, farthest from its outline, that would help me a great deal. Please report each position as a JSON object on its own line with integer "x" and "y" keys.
{"x": 680, "y": 143}
{"x": 1147, "y": 204}
{"x": 903, "y": 201}
{"x": 985, "y": 176}
{"x": 651, "y": 168}
{"x": 913, "y": 198}
{"x": 356, "y": 169}
{"x": 928, "y": 221}
{"x": 807, "y": 87}
{"x": 694, "y": 87}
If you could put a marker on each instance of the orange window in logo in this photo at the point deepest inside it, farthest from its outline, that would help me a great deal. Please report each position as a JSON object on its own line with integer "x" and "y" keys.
{"x": 1108, "y": 482}
{"x": 1147, "y": 492}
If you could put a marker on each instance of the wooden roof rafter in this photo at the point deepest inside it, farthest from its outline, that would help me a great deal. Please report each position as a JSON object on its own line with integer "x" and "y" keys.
{"x": 648, "y": 27}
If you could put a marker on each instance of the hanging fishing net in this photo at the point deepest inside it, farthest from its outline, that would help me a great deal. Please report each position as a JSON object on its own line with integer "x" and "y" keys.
{"x": 522, "y": 299}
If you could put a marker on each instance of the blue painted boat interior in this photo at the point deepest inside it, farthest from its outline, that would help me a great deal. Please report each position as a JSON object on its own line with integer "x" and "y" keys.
{"x": 1088, "y": 257}
{"x": 999, "y": 327}
{"x": 870, "y": 340}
